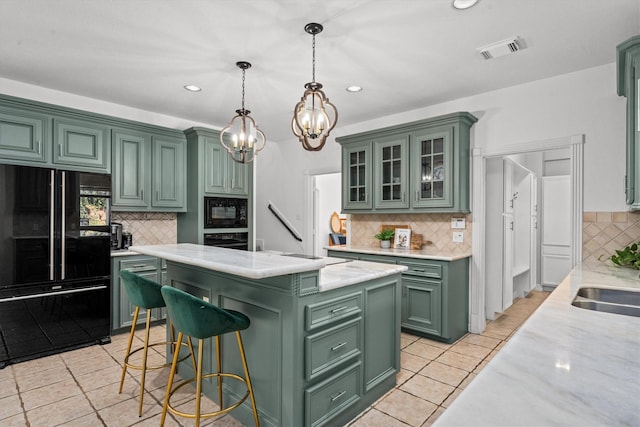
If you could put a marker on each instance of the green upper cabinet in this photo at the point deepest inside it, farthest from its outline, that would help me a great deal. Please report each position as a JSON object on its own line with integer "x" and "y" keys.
{"x": 169, "y": 174}
{"x": 149, "y": 171}
{"x": 432, "y": 169}
{"x": 81, "y": 143}
{"x": 24, "y": 135}
{"x": 131, "y": 169}
{"x": 222, "y": 174}
{"x": 391, "y": 172}
{"x": 421, "y": 166}
{"x": 356, "y": 176}
{"x": 628, "y": 62}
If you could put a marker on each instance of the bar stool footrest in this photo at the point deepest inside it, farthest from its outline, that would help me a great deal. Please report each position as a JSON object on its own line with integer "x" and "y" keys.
{"x": 151, "y": 368}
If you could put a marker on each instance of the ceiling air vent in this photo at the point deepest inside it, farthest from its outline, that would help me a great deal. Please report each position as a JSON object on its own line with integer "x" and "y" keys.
{"x": 500, "y": 48}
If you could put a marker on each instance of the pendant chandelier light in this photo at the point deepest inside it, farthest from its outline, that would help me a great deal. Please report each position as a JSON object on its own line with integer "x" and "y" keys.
{"x": 243, "y": 138}
{"x": 311, "y": 123}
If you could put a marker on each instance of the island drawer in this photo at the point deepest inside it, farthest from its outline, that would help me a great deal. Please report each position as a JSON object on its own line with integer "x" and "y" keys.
{"x": 328, "y": 398}
{"x": 423, "y": 269}
{"x": 328, "y": 349}
{"x": 139, "y": 264}
{"x": 328, "y": 312}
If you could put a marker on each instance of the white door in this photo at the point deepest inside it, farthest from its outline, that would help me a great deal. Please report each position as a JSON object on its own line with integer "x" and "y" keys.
{"x": 556, "y": 229}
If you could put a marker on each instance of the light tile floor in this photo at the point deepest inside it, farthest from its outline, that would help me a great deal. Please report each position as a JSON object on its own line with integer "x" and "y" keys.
{"x": 80, "y": 387}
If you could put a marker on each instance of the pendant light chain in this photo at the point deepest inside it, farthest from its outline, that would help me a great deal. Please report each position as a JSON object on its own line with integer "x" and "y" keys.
{"x": 313, "y": 62}
{"x": 243, "y": 71}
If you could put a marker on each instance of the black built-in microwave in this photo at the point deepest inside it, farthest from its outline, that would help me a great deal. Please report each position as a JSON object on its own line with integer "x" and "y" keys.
{"x": 225, "y": 212}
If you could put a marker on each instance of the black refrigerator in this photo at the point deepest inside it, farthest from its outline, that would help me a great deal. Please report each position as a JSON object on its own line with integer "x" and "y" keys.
{"x": 55, "y": 269}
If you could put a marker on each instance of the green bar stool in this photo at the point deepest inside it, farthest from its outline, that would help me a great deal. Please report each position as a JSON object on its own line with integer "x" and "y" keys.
{"x": 198, "y": 319}
{"x": 145, "y": 293}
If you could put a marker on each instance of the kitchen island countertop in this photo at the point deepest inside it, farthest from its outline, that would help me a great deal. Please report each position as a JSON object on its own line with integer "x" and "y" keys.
{"x": 334, "y": 273}
{"x": 565, "y": 366}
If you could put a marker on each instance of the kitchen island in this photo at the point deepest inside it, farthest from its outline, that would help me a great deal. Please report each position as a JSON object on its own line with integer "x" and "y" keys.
{"x": 324, "y": 340}
{"x": 565, "y": 366}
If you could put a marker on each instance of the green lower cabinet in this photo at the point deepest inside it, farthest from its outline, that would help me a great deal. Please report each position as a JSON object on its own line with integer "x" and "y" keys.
{"x": 315, "y": 358}
{"x": 435, "y": 294}
{"x": 122, "y": 308}
{"x": 421, "y": 303}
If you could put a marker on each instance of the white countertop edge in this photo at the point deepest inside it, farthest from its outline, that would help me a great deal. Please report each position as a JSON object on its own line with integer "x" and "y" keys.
{"x": 420, "y": 254}
{"x": 252, "y": 265}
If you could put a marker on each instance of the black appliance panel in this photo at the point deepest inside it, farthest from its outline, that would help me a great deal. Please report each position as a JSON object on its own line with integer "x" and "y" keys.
{"x": 225, "y": 212}
{"x": 228, "y": 240}
{"x": 54, "y": 261}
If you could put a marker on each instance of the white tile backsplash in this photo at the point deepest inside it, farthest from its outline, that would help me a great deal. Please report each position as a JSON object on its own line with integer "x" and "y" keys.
{"x": 149, "y": 228}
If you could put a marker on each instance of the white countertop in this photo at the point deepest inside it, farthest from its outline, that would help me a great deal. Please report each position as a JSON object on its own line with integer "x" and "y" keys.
{"x": 252, "y": 265}
{"x": 565, "y": 366}
{"x": 424, "y": 253}
{"x": 334, "y": 272}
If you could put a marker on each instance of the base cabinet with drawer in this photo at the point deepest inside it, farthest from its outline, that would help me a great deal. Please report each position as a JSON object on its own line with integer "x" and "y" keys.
{"x": 315, "y": 358}
{"x": 435, "y": 294}
{"x": 122, "y": 309}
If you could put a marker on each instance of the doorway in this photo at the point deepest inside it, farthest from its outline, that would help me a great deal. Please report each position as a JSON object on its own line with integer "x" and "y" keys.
{"x": 503, "y": 268}
{"x": 323, "y": 192}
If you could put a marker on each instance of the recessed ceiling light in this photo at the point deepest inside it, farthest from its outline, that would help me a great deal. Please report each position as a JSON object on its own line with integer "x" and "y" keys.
{"x": 192, "y": 88}
{"x": 354, "y": 88}
{"x": 463, "y": 4}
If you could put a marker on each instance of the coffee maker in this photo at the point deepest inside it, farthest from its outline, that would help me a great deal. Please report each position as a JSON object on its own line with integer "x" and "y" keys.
{"x": 116, "y": 236}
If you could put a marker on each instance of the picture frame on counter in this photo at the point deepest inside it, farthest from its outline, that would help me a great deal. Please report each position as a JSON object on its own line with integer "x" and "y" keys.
{"x": 402, "y": 238}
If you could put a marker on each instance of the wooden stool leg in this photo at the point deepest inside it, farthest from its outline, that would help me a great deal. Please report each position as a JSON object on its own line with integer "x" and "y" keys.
{"x": 144, "y": 360}
{"x": 248, "y": 378}
{"x": 176, "y": 356}
{"x": 199, "y": 380}
{"x": 219, "y": 366}
{"x": 126, "y": 356}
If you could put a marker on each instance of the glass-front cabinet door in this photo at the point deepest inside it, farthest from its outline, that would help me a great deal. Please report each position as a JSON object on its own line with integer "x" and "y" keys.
{"x": 432, "y": 168}
{"x": 391, "y": 172}
{"x": 356, "y": 182}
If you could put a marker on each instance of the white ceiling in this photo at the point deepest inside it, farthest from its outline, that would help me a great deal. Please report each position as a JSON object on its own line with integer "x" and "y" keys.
{"x": 406, "y": 54}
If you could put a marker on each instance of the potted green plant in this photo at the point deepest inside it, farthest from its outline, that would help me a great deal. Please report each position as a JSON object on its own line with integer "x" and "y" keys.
{"x": 385, "y": 237}
{"x": 627, "y": 257}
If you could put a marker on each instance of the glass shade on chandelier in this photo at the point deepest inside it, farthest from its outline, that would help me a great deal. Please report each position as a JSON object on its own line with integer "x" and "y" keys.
{"x": 314, "y": 116}
{"x": 241, "y": 138}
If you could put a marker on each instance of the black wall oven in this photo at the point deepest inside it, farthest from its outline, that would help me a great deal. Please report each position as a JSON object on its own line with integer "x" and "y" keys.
{"x": 55, "y": 269}
{"x": 225, "y": 212}
{"x": 228, "y": 240}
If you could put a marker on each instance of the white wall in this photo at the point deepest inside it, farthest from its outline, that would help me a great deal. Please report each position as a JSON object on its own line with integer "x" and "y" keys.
{"x": 583, "y": 102}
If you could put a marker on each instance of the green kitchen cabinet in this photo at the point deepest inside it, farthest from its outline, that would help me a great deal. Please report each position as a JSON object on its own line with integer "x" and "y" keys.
{"x": 357, "y": 176}
{"x": 628, "y": 85}
{"x": 391, "y": 172}
{"x": 122, "y": 308}
{"x": 149, "y": 172}
{"x": 421, "y": 305}
{"x": 223, "y": 175}
{"x": 81, "y": 143}
{"x": 212, "y": 173}
{"x": 24, "y": 136}
{"x": 435, "y": 293}
{"x": 422, "y": 166}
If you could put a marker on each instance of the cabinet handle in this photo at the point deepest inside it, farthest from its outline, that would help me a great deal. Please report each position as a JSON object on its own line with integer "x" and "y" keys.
{"x": 60, "y": 150}
{"x": 157, "y": 195}
{"x": 39, "y": 146}
{"x": 419, "y": 270}
{"x": 339, "y": 346}
{"x": 417, "y": 195}
{"x": 138, "y": 265}
{"x": 338, "y": 396}
{"x": 142, "y": 194}
{"x": 339, "y": 309}
{"x": 402, "y": 196}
